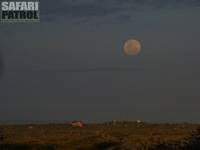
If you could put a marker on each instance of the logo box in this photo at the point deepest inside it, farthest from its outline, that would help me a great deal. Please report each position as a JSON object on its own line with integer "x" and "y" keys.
{"x": 19, "y": 11}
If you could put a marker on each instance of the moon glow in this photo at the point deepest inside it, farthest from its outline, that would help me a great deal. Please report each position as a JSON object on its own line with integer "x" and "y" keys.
{"x": 132, "y": 47}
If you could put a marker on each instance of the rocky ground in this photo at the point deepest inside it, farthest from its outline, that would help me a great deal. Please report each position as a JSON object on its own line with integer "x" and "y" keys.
{"x": 107, "y": 136}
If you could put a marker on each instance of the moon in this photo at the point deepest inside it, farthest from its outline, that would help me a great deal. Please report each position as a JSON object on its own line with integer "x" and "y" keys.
{"x": 132, "y": 47}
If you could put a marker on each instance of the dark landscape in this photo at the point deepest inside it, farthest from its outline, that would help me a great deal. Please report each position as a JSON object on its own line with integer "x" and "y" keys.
{"x": 114, "y": 135}
{"x": 93, "y": 61}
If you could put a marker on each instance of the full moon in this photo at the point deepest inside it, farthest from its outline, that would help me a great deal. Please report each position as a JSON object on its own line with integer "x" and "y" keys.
{"x": 132, "y": 47}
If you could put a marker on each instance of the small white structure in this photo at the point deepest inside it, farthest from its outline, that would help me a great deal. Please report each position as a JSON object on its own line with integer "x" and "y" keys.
{"x": 77, "y": 124}
{"x": 138, "y": 121}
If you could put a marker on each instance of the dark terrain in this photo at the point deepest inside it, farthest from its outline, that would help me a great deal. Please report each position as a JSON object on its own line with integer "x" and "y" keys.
{"x": 106, "y": 136}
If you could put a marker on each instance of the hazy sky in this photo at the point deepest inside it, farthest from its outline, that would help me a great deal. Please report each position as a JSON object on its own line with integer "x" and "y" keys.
{"x": 71, "y": 66}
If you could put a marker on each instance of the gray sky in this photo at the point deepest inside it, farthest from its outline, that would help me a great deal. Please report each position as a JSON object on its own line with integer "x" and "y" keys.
{"x": 71, "y": 66}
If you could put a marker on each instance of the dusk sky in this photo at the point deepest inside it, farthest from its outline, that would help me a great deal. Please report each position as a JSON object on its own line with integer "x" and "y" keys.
{"x": 71, "y": 65}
